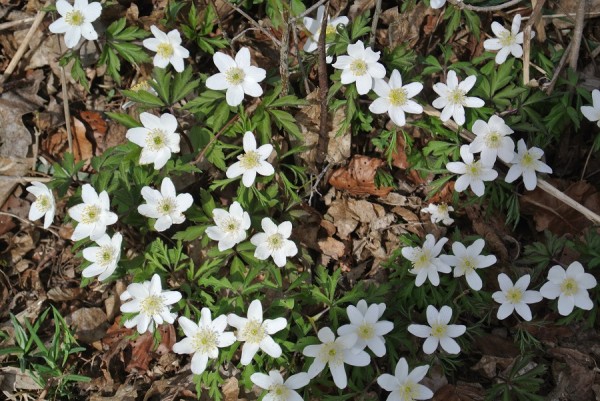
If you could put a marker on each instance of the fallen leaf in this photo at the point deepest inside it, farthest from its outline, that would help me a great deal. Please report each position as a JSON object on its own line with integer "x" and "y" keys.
{"x": 358, "y": 178}
{"x": 60, "y": 294}
{"x": 460, "y": 392}
{"x": 333, "y": 248}
{"x": 125, "y": 392}
{"x": 90, "y": 324}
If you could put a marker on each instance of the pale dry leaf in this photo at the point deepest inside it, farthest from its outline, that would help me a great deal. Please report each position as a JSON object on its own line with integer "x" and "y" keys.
{"x": 90, "y": 324}
{"x": 332, "y": 247}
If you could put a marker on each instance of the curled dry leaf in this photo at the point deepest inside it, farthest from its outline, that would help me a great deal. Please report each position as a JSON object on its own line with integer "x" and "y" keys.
{"x": 358, "y": 178}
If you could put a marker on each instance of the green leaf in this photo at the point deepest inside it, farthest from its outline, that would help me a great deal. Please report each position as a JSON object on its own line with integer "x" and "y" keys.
{"x": 124, "y": 119}
{"x": 285, "y": 120}
{"x": 144, "y": 97}
{"x": 190, "y": 233}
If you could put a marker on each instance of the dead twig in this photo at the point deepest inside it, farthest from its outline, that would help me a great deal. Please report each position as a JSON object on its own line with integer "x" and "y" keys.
{"x": 376, "y": 15}
{"x": 300, "y": 60}
{"x": 537, "y": 10}
{"x": 323, "y": 91}
{"x": 67, "y": 111}
{"x": 254, "y": 22}
{"x": 11, "y": 24}
{"x": 559, "y": 67}
{"x": 577, "y": 34}
{"x": 23, "y": 47}
{"x": 462, "y": 5}
{"x": 541, "y": 183}
{"x": 55, "y": 233}
{"x": 284, "y": 50}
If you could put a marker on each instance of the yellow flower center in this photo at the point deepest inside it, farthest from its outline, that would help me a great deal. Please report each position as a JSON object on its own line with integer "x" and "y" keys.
{"x": 514, "y": 295}
{"x": 166, "y": 206}
{"x": 507, "y": 39}
{"x": 164, "y": 50}
{"x": 204, "y": 340}
{"x": 253, "y": 331}
{"x": 330, "y": 30}
{"x": 250, "y": 160}
{"x": 366, "y": 331}
{"x": 279, "y": 392}
{"x": 156, "y": 139}
{"x": 422, "y": 260}
{"x": 231, "y": 225}
{"x": 456, "y": 96}
{"x": 105, "y": 255}
{"x": 442, "y": 208}
{"x": 439, "y": 330}
{"x": 152, "y": 305}
{"x": 91, "y": 214}
{"x": 330, "y": 353}
{"x": 75, "y": 18}
{"x": 527, "y": 161}
{"x": 398, "y": 97}
{"x": 235, "y": 76}
{"x": 468, "y": 263}
{"x": 474, "y": 170}
{"x": 275, "y": 241}
{"x": 42, "y": 203}
{"x": 358, "y": 67}
{"x": 493, "y": 140}
{"x": 409, "y": 391}
{"x": 569, "y": 286}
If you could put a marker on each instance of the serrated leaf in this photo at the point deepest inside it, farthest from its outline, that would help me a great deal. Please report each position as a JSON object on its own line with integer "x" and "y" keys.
{"x": 124, "y": 119}
{"x": 144, "y": 97}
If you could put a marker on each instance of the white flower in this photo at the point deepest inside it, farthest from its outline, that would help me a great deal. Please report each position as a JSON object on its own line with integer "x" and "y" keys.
{"x": 515, "y": 297}
{"x": 394, "y": 98}
{"x": 76, "y": 21}
{"x": 526, "y": 162}
{"x": 230, "y": 226}
{"x": 425, "y": 261}
{"x": 439, "y": 332}
{"x": 104, "y": 257}
{"x": 473, "y": 173}
{"x": 256, "y": 332}
{"x": 334, "y": 352}
{"x": 364, "y": 322}
{"x": 439, "y": 213}
{"x": 453, "y": 97}
{"x": 274, "y": 242}
{"x": 404, "y": 385}
{"x": 314, "y": 28}
{"x": 468, "y": 259}
{"x": 151, "y": 304}
{"x": 43, "y": 205}
{"x": 203, "y": 339}
{"x": 506, "y": 41}
{"x": 360, "y": 66}
{"x": 278, "y": 389}
{"x": 167, "y": 47}
{"x": 157, "y": 138}
{"x": 93, "y": 215}
{"x": 570, "y": 287}
{"x": 237, "y": 76}
{"x": 253, "y": 161}
{"x": 492, "y": 140}
{"x": 435, "y": 4}
{"x": 592, "y": 113}
{"x": 165, "y": 206}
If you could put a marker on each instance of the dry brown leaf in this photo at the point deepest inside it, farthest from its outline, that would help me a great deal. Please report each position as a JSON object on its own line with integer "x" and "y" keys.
{"x": 60, "y": 294}
{"x": 90, "y": 324}
{"x": 231, "y": 389}
{"x": 460, "y": 392}
{"x": 358, "y": 178}
{"x": 551, "y": 214}
{"x": 489, "y": 366}
{"x": 333, "y": 248}
{"x": 125, "y": 392}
